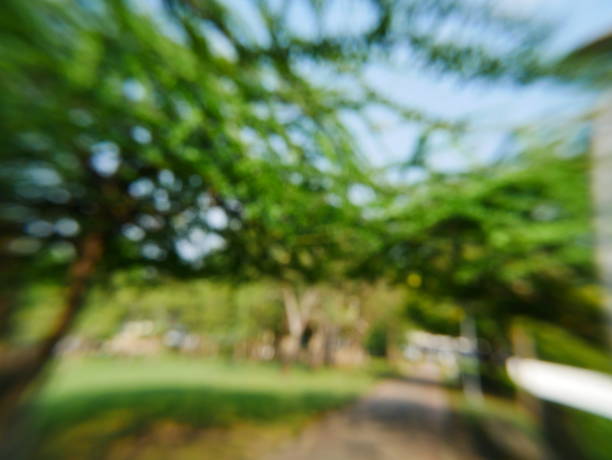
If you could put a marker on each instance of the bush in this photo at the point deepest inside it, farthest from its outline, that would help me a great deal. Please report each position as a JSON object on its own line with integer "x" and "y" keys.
{"x": 377, "y": 340}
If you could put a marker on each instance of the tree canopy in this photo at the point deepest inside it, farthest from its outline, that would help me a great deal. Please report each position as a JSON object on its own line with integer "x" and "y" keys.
{"x": 507, "y": 240}
{"x": 211, "y": 138}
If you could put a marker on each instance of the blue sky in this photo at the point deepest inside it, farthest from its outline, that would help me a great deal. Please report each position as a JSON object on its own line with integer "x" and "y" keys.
{"x": 493, "y": 108}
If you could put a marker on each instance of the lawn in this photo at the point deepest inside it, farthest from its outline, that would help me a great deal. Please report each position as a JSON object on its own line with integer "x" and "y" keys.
{"x": 104, "y": 407}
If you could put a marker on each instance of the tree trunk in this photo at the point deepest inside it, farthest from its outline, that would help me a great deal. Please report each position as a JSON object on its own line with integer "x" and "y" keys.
{"x": 295, "y": 325}
{"x": 298, "y": 312}
{"x": 19, "y": 371}
{"x": 8, "y": 299}
{"x": 471, "y": 378}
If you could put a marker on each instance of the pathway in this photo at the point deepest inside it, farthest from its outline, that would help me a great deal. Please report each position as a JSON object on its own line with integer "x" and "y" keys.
{"x": 399, "y": 419}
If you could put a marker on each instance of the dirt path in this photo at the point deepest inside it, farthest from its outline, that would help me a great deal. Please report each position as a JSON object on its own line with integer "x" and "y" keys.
{"x": 397, "y": 420}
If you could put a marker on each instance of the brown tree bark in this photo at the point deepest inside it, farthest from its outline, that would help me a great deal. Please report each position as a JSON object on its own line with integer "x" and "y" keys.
{"x": 18, "y": 372}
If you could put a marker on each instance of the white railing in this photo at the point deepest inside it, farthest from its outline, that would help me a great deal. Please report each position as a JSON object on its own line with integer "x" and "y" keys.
{"x": 575, "y": 387}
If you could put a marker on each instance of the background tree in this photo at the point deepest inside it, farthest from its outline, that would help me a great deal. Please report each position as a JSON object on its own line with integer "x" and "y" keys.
{"x": 509, "y": 240}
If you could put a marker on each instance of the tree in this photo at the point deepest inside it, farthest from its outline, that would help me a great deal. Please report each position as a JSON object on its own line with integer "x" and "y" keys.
{"x": 508, "y": 240}
{"x": 171, "y": 137}
{"x": 115, "y": 158}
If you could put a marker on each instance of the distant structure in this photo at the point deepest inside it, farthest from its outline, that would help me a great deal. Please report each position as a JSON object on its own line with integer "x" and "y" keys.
{"x": 593, "y": 62}
{"x": 444, "y": 350}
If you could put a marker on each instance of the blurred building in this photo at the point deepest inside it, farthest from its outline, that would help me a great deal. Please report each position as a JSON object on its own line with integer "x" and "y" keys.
{"x": 593, "y": 63}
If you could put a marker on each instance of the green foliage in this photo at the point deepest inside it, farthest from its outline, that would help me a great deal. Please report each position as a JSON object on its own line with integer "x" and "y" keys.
{"x": 201, "y": 138}
{"x": 440, "y": 318}
{"x": 40, "y": 304}
{"x": 105, "y": 135}
{"x": 214, "y": 309}
{"x": 377, "y": 340}
{"x": 576, "y": 434}
{"x": 591, "y": 432}
{"x": 140, "y": 121}
{"x": 555, "y": 344}
{"x": 509, "y": 239}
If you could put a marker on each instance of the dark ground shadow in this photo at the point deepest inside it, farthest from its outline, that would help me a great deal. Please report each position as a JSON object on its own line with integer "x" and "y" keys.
{"x": 87, "y": 423}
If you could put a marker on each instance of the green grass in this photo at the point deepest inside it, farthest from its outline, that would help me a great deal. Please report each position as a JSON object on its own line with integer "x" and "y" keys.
{"x": 500, "y": 428}
{"x": 591, "y": 434}
{"x": 89, "y": 404}
{"x": 555, "y": 344}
